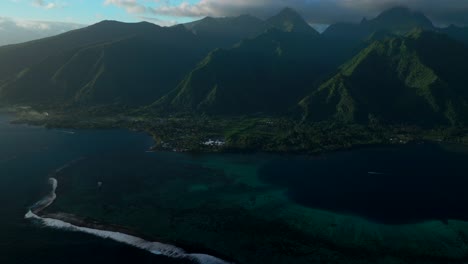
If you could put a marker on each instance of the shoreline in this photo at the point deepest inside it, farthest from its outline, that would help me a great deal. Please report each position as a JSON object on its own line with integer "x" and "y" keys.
{"x": 69, "y": 222}
{"x": 251, "y": 134}
{"x": 87, "y": 222}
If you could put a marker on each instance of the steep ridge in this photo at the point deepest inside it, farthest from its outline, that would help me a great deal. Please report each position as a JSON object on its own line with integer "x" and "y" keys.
{"x": 15, "y": 58}
{"x": 226, "y": 31}
{"x": 398, "y": 20}
{"x": 288, "y": 20}
{"x": 416, "y": 79}
{"x": 266, "y": 74}
{"x": 349, "y": 38}
{"x": 134, "y": 67}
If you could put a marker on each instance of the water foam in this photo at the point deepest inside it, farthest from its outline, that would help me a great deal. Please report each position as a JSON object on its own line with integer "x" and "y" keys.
{"x": 48, "y": 199}
{"x": 156, "y": 248}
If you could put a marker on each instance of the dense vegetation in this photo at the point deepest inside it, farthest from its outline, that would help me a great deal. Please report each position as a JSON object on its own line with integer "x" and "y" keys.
{"x": 254, "y": 74}
{"x": 119, "y": 68}
{"x": 399, "y": 79}
{"x": 191, "y": 83}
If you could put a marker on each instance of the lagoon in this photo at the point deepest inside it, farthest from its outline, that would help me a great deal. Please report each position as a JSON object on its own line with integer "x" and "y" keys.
{"x": 396, "y": 204}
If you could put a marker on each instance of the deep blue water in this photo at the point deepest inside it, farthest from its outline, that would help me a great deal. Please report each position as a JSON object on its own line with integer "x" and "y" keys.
{"x": 392, "y": 185}
{"x": 27, "y": 156}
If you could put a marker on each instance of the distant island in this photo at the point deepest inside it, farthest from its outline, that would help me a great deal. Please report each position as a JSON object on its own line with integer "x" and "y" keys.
{"x": 246, "y": 84}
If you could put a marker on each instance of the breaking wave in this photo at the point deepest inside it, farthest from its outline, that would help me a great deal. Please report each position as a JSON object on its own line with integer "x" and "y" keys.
{"x": 47, "y": 200}
{"x": 156, "y": 248}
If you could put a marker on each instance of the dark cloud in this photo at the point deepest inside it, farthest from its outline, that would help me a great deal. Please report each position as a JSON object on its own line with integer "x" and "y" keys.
{"x": 319, "y": 11}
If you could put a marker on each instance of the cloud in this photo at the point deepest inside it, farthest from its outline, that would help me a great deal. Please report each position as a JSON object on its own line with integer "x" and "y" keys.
{"x": 160, "y": 22}
{"x": 44, "y": 4}
{"x": 131, "y": 6}
{"x": 33, "y": 25}
{"x": 17, "y": 31}
{"x": 37, "y": 26}
{"x": 314, "y": 11}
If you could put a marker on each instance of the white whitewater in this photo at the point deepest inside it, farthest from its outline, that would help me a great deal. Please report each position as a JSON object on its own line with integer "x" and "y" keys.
{"x": 153, "y": 247}
{"x": 48, "y": 199}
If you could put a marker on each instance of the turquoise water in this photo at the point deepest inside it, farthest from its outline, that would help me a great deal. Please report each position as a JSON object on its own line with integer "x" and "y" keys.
{"x": 371, "y": 205}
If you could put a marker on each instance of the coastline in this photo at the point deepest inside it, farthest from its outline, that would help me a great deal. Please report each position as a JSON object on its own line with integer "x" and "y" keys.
{"x": 243, "y": 135}
{"x": 69, "y": 222}
{"x": 117, "y": 228}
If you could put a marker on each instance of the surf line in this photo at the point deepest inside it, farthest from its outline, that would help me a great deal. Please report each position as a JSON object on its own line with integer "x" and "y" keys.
{"x": 156, "y": 248}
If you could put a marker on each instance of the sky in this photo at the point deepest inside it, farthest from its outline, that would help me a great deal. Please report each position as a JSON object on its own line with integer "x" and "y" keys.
{"x": 169, "y": 12}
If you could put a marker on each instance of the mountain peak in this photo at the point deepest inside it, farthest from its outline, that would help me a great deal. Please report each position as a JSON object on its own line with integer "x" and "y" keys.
{"x": 288, "y": 11}
{"x": 113, "y": 24}
{"x": 402, "y": 18}
{"x": 289, "y": 20}
{"x": 404, "y": 67}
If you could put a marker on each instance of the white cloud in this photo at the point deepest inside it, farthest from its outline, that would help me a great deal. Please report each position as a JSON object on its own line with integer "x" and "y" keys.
{"x": 131, "y": 6}
{"x": 43, "y": 4}
{"x": 160, "y": 22}
{"x": 33, "y": 25}
{"x": 17, "y": 31}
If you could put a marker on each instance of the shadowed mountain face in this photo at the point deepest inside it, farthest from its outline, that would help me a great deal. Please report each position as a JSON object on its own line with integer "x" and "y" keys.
{"x": 399, "y": 19}
{"x": 109, "y": 62}
{"x": 226, "y": 31}
{"x": 396, "y": 20}
{"x": 289, "y": 20}
{"x": 113, "y": 62}
{"x": 229, "y": 30}
{"x": 347, "y": 38}
{"x": 16, "y": 58}
{"x": 458, "y": 33}
{"x": 416, "y": 79}
{"x": 267, "y": 74}
{"x": 275, "y": 64}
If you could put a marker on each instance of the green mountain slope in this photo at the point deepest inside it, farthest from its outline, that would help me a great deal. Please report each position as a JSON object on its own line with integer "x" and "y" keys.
{"x": 15, "y": 58}
{"x": 112, "y": 62}
{"x": 418, "y": 79}
{"x": 349, "y": 38}
{"x": 134, "y": 66}
{"x": 227, "y": 31}
{"x": 266, "y": 74}
{"x": 398, "y": 20}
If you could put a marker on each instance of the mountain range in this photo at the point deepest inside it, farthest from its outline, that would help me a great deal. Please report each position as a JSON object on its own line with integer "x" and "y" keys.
{"x": 418, "y": 78}
{"x": 397, "y": 68}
